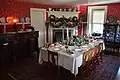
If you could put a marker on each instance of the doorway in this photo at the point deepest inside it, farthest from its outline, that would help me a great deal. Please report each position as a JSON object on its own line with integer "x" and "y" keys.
{"x": 38, "y": 18}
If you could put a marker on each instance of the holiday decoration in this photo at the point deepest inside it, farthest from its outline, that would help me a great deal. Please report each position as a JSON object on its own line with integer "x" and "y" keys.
{"x": 83, "y": 18}
{"x": 56, "y": 22}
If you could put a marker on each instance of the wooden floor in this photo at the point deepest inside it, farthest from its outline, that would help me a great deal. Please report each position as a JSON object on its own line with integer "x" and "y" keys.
{"x": 29, "y": 70}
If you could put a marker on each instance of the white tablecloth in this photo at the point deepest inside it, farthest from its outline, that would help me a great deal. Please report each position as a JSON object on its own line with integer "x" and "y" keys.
{"x": 70, "y": 62}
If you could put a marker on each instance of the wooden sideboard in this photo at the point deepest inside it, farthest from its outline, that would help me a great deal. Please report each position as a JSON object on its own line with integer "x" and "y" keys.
{"x": 15, "y": 46}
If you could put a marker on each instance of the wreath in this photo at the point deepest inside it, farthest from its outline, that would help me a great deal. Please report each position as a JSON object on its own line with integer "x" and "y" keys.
{"x": 75, "y": 21}
{"x": 52, "y": 18}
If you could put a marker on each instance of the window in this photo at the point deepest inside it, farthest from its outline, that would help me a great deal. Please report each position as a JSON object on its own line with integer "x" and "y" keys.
{"x": 97, "y": 21}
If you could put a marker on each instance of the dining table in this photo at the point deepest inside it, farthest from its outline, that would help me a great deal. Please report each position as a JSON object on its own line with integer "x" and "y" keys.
{"x": 70, "y": 58}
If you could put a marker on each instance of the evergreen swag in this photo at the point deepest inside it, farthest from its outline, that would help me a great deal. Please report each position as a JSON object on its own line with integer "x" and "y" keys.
{"x": 56, "y": 22}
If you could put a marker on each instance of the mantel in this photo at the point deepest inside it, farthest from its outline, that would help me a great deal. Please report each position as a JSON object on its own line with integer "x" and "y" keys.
{"x": 62, "y": 12}
{"x": 62, "y": 28}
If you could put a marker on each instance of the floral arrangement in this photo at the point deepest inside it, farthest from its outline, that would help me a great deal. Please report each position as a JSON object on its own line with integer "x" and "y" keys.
{"x": 112, "y": 20}
{"x": 76, "y": 40}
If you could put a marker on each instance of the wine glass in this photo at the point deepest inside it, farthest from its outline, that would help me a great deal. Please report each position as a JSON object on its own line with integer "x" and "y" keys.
{"x": 79, "y": 45}
{"x": 66, "y": 46}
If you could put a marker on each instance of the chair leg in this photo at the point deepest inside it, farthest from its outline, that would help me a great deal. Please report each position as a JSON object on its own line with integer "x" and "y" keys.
{"x": 58, "y": 69}
{"x": 48, "y": 62}
{"x": 58, "y": 73}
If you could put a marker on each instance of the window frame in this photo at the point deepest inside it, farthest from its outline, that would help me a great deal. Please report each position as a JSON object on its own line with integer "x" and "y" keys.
{"x": 92, "y": 23}
{"x": 90, "y": 9}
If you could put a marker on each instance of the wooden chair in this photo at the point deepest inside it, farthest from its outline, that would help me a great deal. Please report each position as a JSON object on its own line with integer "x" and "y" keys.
{"x": 84, "y": 69}
{"x": 97, "y": 54}
{"x": 92, "y": 66}
{"x": 101, "y": 47}
{"x": 101, "y": 52}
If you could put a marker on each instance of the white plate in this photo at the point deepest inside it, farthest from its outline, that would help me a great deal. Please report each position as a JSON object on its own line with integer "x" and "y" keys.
{"x": 56, "y": 49}
{"x": 78, "y": 50}
{"x": 52, "y": 45}
{"x": 72, "y": 54}
{"x": 57, "y": 46}
{"x": 2, "y": 19}
{"x": 27, "y": 19}
{"x": 85, "y": 46}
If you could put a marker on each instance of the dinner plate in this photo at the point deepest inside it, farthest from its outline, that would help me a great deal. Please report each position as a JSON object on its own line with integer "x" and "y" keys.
{"x": 56, "y": 49}
{"x": 78, "y": 50}
{"x": 72, "y": 54}
{"x": 85, "y": 46}
{"x": 57, "y": 46}
{"x": 52, "y": 45}
{"x": 2, "y": 19}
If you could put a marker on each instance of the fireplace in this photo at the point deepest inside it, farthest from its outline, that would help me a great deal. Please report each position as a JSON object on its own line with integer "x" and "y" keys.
{"x": 58, "y": 35}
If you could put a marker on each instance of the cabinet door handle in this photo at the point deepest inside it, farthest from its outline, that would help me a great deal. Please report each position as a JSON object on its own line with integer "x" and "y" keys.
{"x": 5, "y": 44}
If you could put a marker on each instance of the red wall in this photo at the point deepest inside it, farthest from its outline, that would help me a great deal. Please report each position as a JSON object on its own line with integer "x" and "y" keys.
{"x": 112, "y": 9}
{"x": 22, "y": 9}
{"x": 83, "y": 10}
{"x": 19, "y": 9}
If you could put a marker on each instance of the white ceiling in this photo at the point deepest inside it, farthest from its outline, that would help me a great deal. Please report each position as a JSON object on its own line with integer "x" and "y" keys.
{"x": 69, "y": 2}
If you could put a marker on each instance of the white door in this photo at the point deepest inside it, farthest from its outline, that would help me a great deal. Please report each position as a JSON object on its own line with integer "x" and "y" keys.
{"x": 38, "y": 17}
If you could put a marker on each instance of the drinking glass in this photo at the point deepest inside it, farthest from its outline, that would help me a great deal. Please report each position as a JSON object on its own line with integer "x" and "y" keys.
{"x": 66, "y": 46}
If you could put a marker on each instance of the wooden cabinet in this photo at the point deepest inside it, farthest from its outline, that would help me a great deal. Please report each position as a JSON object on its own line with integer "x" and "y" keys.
{"x": 17, "y": 46}
{"x": 5, "y": 51}
{"x": 111, "y": 34}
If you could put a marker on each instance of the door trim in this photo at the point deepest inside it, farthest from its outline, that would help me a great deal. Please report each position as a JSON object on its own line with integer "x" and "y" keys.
{"x": 37, "y": 9}
{"x": 44, "y": 20}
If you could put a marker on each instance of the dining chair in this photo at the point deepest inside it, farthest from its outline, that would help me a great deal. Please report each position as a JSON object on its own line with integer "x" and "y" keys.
{"x": 92, "y": 58}
{"x": 101, "y": 52}
{"x": 92, "y": 66}
{"x": 97, "y": 54}
{"x": 84, "y": 69}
